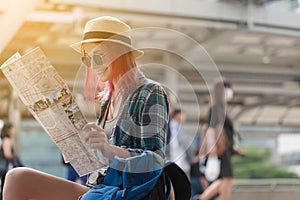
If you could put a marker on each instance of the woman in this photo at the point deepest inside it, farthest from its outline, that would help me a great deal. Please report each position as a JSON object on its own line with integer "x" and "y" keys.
{"x": 136, "y": 116}
{"x": 218, "y": 117}
{"x": 7, "y": 133}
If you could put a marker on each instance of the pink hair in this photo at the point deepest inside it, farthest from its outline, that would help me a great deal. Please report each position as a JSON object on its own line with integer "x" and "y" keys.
{"x": 89, "y": 84}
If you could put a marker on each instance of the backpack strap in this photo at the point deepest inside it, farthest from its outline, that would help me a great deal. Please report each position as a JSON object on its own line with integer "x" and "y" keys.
{"x": 179, "y": 179}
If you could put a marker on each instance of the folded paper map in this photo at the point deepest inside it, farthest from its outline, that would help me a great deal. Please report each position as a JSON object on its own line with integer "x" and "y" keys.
{"x": 51, "y": 103}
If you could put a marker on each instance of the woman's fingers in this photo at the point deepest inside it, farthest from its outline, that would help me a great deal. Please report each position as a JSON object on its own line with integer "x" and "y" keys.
{"x": 92, "y": 131}
{"x": 94, "y": 136}
{"x": 96, "y": 140}
{"x": 92, "y": 125}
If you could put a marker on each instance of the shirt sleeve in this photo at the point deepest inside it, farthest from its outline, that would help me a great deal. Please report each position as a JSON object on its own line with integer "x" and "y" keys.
{"x": 154, "y": 119}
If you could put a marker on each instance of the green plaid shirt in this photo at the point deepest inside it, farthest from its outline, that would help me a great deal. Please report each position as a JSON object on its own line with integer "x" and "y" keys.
{"x": 143, "y": 120}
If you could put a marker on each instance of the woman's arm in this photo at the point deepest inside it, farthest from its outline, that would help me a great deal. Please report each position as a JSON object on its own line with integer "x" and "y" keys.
{"x": 154, "y": 121}
{"x": 7, "y": 148}
{"x": 211, "y": 141}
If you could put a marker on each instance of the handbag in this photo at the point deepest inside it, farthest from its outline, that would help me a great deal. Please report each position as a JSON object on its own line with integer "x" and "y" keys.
{"x": 220, "y": 138}
{"x": 213, "y": 168}
{"x": 128, "y": 178}
{"x": 222, "y": 143}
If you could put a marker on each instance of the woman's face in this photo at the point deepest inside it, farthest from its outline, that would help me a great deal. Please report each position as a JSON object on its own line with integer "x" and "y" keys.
{"x": 98, "y": 57}
{"x": 228, "y": 93}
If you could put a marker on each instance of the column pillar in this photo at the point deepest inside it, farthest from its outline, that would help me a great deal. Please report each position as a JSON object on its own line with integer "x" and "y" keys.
{"x": 14, "y": 116}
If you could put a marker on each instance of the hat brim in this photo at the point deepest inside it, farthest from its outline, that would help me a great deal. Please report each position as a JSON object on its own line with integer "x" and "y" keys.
{"x": 77, "y": 46}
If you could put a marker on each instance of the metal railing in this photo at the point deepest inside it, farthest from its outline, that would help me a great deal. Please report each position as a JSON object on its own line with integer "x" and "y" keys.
{"x": 266, "y": 189}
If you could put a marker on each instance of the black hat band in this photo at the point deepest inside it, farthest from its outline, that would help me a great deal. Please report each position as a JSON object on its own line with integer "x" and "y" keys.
{"x": 106, "y": 35}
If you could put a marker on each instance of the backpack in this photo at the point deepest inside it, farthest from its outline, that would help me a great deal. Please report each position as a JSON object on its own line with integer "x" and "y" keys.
{"x": 139, "y": 177}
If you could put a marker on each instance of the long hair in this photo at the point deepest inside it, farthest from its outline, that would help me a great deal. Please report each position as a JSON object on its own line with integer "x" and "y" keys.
{"x": 218, "y": 96}
{"x": 4, "y": 131}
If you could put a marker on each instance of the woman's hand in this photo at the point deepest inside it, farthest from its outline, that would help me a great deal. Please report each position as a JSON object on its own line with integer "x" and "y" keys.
{"x": 96, "y": 137}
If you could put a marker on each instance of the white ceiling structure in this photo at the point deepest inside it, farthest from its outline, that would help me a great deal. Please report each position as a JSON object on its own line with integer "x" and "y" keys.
{"x": 257, "y": 49}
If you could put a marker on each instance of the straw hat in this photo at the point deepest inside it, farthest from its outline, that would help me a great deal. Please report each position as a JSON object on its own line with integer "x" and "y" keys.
{"x": 107, "y": 28}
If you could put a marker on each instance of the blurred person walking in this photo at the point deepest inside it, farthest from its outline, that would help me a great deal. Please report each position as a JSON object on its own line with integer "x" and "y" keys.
{"x": 175, "y": 149}
{"x": 8, "y": 156}
{"x": 220, "y": 123}
{"x": 197, "y": 178}
{"x": 177, "y": 142}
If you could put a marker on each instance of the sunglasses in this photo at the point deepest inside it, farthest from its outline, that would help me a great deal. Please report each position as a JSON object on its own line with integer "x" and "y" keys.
{"x": 96, "y": 57}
